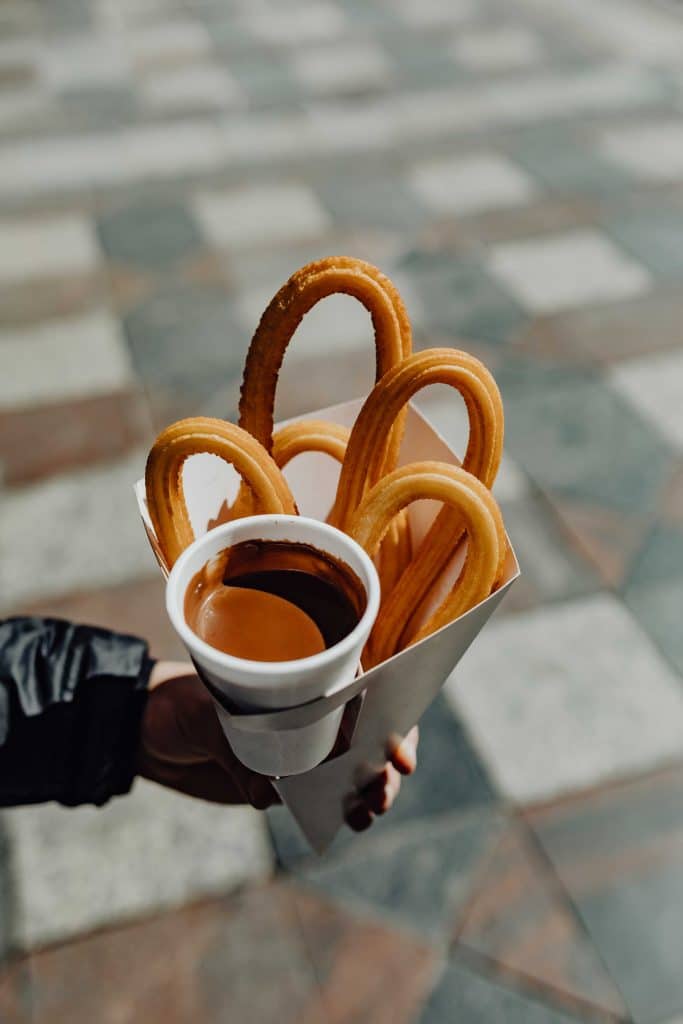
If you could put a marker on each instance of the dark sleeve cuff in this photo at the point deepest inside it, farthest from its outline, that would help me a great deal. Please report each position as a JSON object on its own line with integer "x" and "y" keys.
{"x": 71, "y": 704}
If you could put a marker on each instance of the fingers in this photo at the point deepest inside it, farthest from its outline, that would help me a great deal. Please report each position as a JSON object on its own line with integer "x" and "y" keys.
{"x": 404, "y": 756}
{"x": 374, "y": 799}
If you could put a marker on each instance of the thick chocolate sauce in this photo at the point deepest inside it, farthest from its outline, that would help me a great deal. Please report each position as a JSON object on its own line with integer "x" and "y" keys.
{"x": 274, "y": 601}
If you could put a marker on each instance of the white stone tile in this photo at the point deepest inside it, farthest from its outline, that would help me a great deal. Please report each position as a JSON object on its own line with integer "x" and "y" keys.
{"x": 20, "y": 54}
{"x": 153, "y": 152}
{"x": 654, "y": 386}
{"x": 565, "y": 271}
{"x": 260, "y": 214}
{"x": 170, "y": 41}
{"x": 197, "y": 86}
{"x": 72, "y": 532}
{"x": 629, "y": 28}
{"x": 437, "y": 113}
{"x": 58, "y": 359}
{"x": 265, "y": 137}
{"x": 340, "y": 128}
{"x": 77, "y": 62}
{"x": 349, "y": 67}
{"x": 51, "y": 246}
{"x": 78, "y": 869}
{"x": 498, "y": 49}
{"x": 468, "y": 184}
{"x": 20, "y": 107}
{"x": 435, "y": 13}
{"x": 282, "y": 25}
{"x": 653, "y": 151}
{"x": 567, "y": 697}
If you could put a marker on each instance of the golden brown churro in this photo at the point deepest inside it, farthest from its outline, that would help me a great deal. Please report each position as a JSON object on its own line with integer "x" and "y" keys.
{"x": 163, "y": 476}
{"x": 363, "y": 462}
{"x": 477, "y": 509}
{"x": 310, "y": 436}
{"x": 393, "y": 342}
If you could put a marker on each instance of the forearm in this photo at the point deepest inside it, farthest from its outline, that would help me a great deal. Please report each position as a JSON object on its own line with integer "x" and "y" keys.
{"x": 71, "y": 703}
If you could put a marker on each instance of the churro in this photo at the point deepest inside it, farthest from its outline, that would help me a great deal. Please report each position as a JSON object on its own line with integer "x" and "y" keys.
{"x": 309, "y": 436}
{"x": 163, "y": 476}
{"x": 476, "y": 508}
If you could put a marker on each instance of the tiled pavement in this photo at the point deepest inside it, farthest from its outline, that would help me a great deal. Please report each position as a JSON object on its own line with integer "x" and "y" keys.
{"x": 518, "y": 169}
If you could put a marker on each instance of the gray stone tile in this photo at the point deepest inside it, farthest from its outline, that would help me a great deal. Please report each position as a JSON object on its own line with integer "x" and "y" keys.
{"x": 580, "y": 440}
{"x": 150, "y": 233}
{"x": 619, "y": 855}
{"x": 566, "y": 164}
{"x": 654, "y": 238}
{"x": 469, "y": 998}
{"x": 80, "y": 868}
{"x": 450, "y": 777}
{"x": 461, "y": 299}
{"x": 97, "y": 108}
{"x": 654, "y": 591}
{"x": 568, "y": 696}
{"x": 418, "y": 877}
{"x": 185, "y": 338}
{"x": 361, "y": 202}
{"x": 552, "y": 567}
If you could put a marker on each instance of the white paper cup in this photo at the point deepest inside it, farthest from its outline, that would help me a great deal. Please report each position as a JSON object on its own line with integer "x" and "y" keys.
{"x": 251, "y": 686}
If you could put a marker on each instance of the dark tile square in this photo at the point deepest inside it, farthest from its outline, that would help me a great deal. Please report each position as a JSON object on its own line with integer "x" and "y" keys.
{"x": 384, "y": 203}
{"x": 566, "y": 164}
{"x": 468, "y": 998}
{"x": 654, "y": 591}
{"x": 580, "y": 440}
{"x": 461, "y": 300}
{"x": 450, "y": 777}
{"x": 99, "y": 108}
{"x": 186, "y": 339}
{"x": 655, "y": 238}
{"x": 418, "y": 876}
{"x": 520, "y": 921}
{"x": 149, "y": 234}
{"x": 619, "y": 854}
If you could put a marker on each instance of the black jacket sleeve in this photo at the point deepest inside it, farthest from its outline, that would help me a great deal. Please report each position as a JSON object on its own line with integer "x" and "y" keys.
{"x": 71, "y": 703}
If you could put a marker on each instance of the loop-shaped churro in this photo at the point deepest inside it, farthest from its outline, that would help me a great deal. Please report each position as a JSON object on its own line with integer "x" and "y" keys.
{"x": 366, "y": 451}
{"x": 310, "y": 436}
{"x": 393, "y": 342}
{"x": 404, "y": 586}
{"x": 163, "y": 476}
{"x": 478, "y": 511}
{"x": 304, "y": 289}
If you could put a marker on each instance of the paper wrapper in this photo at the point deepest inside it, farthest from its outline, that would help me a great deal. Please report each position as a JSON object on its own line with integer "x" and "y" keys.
{"x": 394, "y": 694}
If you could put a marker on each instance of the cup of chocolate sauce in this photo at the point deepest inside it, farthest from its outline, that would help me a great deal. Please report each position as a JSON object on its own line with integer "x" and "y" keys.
{"x": 275, "y": 612}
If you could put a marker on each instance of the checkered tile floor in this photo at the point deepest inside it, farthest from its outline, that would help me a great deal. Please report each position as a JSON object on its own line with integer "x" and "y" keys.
{"x": 517, "y": 169}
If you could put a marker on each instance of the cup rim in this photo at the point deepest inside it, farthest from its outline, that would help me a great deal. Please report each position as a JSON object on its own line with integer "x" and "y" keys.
{"x": 175, "y": 601}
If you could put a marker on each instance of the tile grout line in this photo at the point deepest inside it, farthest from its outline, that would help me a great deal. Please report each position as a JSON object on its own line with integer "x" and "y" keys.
{"x": 564, "y": 897}
{"x": 488, "y": 968}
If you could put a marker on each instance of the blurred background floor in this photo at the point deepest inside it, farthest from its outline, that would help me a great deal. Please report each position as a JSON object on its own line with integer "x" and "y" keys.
{"x": 517, "y": 168}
